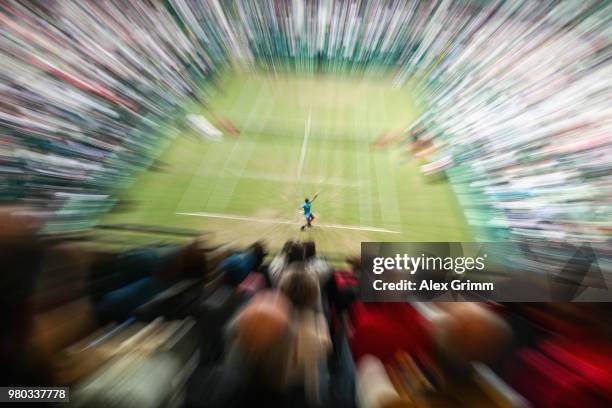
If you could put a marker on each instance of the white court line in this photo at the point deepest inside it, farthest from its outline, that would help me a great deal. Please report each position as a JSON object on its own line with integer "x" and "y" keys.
{"x": 304, "y": 144}
{"x": 287, "y": 179}
{"x": 275, "y": 221}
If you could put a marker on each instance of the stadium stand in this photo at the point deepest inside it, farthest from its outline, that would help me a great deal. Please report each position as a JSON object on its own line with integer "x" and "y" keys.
{"x": 178, "y": 323}
{"x": 518, "y": 120}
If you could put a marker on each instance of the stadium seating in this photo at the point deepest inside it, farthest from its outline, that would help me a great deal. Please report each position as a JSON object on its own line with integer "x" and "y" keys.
{"x": 515, "y": 116}
{"x": 183, "y": 333}
{"x": 508, "y": 135}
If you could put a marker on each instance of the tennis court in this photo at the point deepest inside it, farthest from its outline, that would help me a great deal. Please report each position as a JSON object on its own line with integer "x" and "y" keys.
{"x": 299, "y": 135}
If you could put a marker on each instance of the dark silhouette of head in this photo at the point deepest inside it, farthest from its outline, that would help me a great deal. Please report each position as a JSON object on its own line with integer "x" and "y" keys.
{"x": 310, "y": 250}
{"x": 287, "y": 246}
{"x": 295, "y": 253}
{"x": 259, "y": 251}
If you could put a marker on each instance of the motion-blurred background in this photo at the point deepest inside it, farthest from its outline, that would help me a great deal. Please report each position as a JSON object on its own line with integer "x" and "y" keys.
{"x": 154, "y": 157}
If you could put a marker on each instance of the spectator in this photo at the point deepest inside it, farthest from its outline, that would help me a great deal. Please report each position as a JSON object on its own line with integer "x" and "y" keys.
{"x": 301, "y": 286}
{"x": 316, "y": 264}
{"x": 273, "y": 349}
{"x": 237, "y": 266}
{"x": 279, "y": 263}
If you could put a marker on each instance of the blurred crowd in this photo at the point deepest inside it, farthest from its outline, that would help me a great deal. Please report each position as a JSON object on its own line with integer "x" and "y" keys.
{"x": 87, "y": 91}
{"x": 192, "y": 324}
{"x": 519, "y": 119}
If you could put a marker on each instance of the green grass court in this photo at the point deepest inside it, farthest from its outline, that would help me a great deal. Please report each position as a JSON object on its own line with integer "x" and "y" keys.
{"x": 299, "y": 135}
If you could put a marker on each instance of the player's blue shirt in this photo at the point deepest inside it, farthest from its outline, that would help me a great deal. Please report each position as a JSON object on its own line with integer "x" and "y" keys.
{"x": 306, "y": 208}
